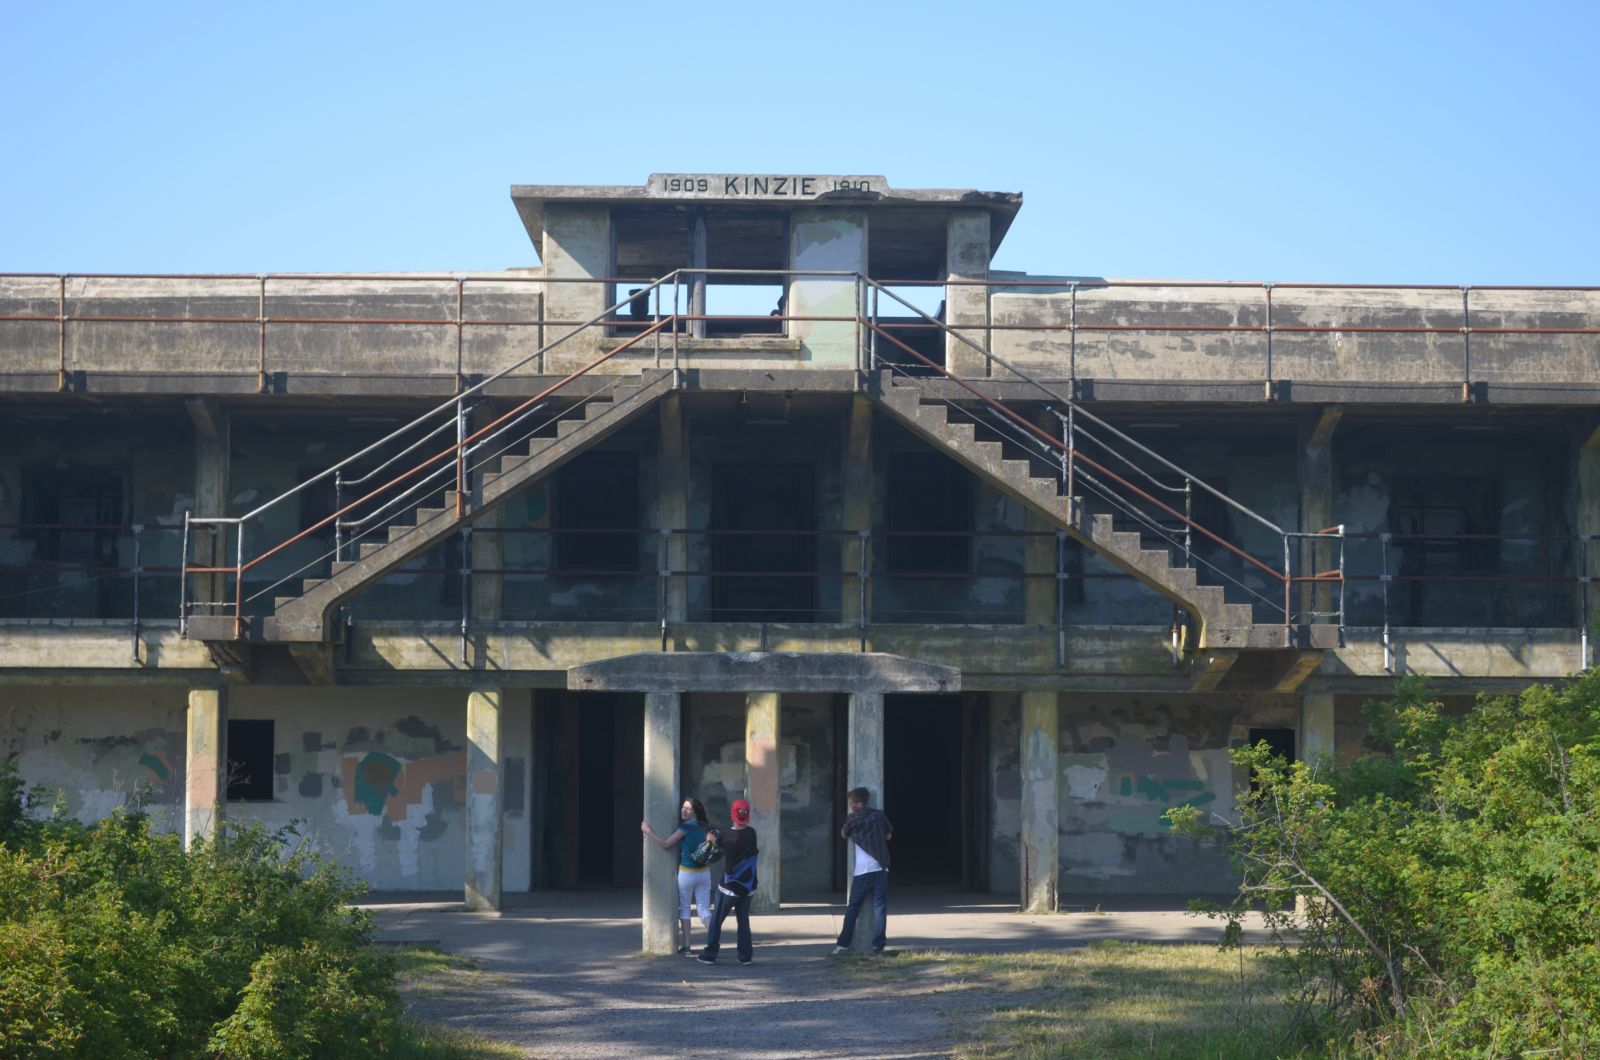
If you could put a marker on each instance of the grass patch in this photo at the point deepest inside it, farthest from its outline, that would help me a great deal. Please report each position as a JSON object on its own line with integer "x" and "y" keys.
{"x": 425, "y": 972}
{"x": 1108, "y": 999}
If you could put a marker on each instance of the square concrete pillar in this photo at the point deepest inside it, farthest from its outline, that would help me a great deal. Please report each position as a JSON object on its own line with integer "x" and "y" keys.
{"x": 1316, "y": 513}
{"x": 484, "y": 851}
{"x": 967, "y": 306}
{"x": 672, "y": 505}
{"x": 577, "y": 246}
{"x": 857, "y": 504}
{"x": 762, "y": 714}
{"x": 1041, "y": 812}
{"x": 828, "y": 239}
{"x": 205, "y": 776}
{"x": 663, "y": 728}
{"x": 864, "y": 769}
{"x": 1316, "y": 726}
{"x": 210, "y": 545}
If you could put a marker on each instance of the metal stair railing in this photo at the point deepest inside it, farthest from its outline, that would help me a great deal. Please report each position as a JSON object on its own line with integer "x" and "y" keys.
{"x": 381, "y": 506}
{"x": 1076, "y": 466}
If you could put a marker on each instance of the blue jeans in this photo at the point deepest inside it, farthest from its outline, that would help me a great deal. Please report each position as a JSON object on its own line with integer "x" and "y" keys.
{"x": 740, "y": 908}
{"x": 878, "y": 884}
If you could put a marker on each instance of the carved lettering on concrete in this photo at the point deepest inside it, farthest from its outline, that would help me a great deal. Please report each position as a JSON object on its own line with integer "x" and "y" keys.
{"x": 780, "y": 186}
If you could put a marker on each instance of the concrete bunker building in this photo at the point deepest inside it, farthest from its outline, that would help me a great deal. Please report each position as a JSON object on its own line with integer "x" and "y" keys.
{"x": 765, "y": 485}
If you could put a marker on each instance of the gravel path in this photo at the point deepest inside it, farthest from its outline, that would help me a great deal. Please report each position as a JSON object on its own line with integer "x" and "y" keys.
{"x": 559, "y": 974}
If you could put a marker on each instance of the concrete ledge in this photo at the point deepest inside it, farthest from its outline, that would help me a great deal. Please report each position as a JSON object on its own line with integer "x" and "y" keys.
{"x": 764, "y": 672}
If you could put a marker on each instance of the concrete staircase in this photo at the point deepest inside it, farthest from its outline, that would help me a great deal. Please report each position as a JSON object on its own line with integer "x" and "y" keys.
{"x": 303, "y": 616}
{"x": 1038, "y": 486}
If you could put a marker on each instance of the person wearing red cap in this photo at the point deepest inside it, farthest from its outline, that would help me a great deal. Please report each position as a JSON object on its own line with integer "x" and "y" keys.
{"x": 738, "y": 883}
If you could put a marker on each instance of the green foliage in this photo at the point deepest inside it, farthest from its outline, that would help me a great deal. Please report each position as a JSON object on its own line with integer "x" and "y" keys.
{"x": 115, "y": 942}
{"x": 1448, "y": 879}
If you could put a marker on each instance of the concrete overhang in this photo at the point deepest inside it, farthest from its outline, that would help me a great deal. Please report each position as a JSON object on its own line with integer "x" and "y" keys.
{"x": 869, "y": 192}
{"x": 763, "y": 671}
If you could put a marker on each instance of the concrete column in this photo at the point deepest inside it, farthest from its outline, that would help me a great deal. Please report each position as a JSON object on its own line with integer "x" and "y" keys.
{"x": 827, "y": 239}
{"x": 577, "y": 245}
{"x": 1316, "y": 511}
{"x": 205, "y": 776}
{"x": 1040, "y": 553}
{"x": 967, "y": 258}
{"x": 210, "y": 545}
{"x": 864, "y": 769}
{"x": 672, "y": 506}
{"x": 663, "y": 728}
{"x": 484, "y": 851}
{"x": 1041, "y": 863}
{"x": 1316, "y": 726}
{"x": 762, "y": 712}
{"x": 857, "y": 504}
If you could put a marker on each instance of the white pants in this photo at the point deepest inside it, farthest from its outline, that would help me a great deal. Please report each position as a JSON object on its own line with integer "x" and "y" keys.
{"x": 694, "y": 885}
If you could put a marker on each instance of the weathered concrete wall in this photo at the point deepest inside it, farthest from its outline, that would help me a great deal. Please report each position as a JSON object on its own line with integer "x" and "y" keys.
{"x": 208, "y": 330}
{"x": 1031, "y": 328}
{"x": 88, "y": 751}
{"x": 714, "y": 753}
{"x": 1005, "y": 810}
{"x": 378, "y": 779}
{"x": 1126, "y": 760}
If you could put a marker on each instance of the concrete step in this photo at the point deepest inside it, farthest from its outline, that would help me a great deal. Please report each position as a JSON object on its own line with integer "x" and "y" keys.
{"x": 1183, "y": 579}
{"x": 570, "y": 427}
{"x": 1154, "y": 562}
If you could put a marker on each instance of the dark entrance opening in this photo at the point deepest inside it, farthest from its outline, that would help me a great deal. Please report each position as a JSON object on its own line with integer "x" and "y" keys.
{"x": 594, "y": 786}
{"x": 763, "y": 545}
{"x": 932, "y": 750}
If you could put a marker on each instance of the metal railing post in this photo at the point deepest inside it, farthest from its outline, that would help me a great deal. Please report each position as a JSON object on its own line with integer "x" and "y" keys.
{"x": 1288, "y": 594}
{"x": 1466, "y": 346}
{"x": 863, "y": 572}
{"x": 1583, "y": 600}
{"x": 1383, "y": 579}
{"x": 238, "y": 576}
{"x": 1268, "y": 385}
{"x": 338, "y": 506}
{"x": 1341, "y": 585}
{"x": 1188, "y": 523}
{"x": 1072, "y": 349}
{"x": 466, "y": 587}
{"x": 461, "y": 297}
{"x": 261, "y": 339}
{"x": 183, "y": 580}
{"x": 1069, "y": 455}
{"x": 138, "y": 533}
{"x": 461, "y": 458}
{"x": 663, "y": 581}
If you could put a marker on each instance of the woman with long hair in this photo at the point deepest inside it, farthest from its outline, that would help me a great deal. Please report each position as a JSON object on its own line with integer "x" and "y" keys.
{"x": 694, "y": 881}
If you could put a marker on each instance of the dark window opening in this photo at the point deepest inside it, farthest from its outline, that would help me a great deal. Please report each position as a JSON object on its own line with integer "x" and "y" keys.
{"x": 763, "y": 542}
{"x": 83, "y": 511}
{"x": 1280, "y": 740}
{"x": 650, "y": 245}
{"x": 317, "y": 503}
{"x": 929, "y": 515}
{"x": 1433, "y": 521}
{"x": 250, "y": 746}
{"x": 596, "y": 513}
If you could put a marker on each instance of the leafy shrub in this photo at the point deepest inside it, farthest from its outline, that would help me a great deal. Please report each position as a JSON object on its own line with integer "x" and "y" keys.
{"x": 1448, "y": 879}
{"x": 116, "y": 942}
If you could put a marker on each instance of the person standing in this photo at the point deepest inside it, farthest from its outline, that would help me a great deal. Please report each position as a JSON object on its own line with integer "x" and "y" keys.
{"x": 870, "y": 831}
{"x": 738, "y": 883}
{"x": 694, "y": 881}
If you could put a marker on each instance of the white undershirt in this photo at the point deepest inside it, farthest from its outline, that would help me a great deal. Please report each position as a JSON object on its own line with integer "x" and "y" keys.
{"x": 865, "y": 862}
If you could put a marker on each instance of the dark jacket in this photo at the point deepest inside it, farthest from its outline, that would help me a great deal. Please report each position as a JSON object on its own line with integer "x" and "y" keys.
{"x": 869, "y": 829}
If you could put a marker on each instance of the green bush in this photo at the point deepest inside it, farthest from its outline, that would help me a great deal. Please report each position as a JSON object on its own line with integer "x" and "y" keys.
{"x": 115, "y": 942}
{"x": 1449, "y": 877}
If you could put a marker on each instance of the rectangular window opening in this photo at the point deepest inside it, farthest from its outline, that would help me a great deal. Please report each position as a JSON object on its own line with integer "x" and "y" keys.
{"x": 596, "y": 513}
{"x": 929, "y": 515}
{"x": 250, "y": 747}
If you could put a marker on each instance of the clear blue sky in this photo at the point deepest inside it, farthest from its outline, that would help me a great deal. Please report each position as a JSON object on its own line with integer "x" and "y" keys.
{"x": 1391, "y": 142}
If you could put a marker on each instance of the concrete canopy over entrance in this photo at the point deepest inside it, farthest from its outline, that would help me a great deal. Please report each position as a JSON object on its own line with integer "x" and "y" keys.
{"x": 763, "y": 672}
